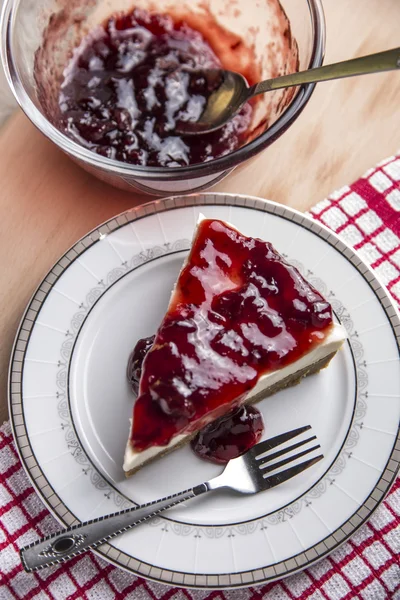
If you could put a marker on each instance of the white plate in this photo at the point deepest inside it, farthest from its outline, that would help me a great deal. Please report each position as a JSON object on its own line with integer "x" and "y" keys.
{"x": 70, "y": 401}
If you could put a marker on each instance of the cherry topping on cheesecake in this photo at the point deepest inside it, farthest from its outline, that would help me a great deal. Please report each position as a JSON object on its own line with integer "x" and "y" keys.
{"x": 239, "y": 311}
{"x": 225, "y": 438}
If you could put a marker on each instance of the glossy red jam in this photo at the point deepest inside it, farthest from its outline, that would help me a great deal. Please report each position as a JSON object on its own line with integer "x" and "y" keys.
{"x": 127, "y": 87}
{"x": 225, "y": 438}
{"x": 239, "y": 311}
{"x": 229, "y": 436}
{"x": 134, "y": 370}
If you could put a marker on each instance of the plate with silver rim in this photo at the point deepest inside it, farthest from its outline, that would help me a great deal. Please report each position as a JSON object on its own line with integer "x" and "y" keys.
{"x": 70, "y": 401}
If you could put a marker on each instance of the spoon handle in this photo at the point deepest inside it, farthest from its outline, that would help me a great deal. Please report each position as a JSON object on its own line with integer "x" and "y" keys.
{"x": 374, "y": 63}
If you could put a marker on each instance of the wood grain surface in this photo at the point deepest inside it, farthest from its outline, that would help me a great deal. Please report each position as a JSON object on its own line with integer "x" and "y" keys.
{"x": 47, "y": 202}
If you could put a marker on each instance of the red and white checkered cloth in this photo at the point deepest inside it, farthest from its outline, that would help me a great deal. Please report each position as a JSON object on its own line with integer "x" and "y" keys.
{"x": 367, "y": 216}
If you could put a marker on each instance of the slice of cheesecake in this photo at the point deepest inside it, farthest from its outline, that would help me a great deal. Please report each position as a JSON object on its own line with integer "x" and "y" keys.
{"x": 242, "y": 323}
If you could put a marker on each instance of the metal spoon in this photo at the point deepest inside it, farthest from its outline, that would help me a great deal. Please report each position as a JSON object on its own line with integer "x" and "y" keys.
{"x": 231, "y": 91}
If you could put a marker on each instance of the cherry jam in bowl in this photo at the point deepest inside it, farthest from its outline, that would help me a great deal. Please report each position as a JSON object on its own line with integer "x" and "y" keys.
{"x": 108, "y": 88}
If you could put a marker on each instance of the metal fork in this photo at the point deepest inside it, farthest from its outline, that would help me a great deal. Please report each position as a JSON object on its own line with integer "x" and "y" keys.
{"x": 247, "y": 474}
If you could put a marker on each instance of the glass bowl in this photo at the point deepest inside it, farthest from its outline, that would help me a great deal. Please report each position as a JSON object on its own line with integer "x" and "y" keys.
{"x": 24, "y": 24}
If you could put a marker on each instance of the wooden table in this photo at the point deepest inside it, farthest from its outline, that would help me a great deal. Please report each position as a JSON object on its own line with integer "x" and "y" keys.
{"x": 47, "y": 202}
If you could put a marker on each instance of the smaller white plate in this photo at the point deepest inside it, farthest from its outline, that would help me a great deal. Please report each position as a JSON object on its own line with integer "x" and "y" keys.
{"x": 71, "y": 403}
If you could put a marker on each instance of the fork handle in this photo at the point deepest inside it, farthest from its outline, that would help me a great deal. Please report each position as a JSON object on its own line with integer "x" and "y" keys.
{"x": 61, "y": 546}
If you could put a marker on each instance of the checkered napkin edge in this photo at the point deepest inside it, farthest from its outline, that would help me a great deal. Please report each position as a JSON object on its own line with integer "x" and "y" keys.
{"x": 367, "y": 216}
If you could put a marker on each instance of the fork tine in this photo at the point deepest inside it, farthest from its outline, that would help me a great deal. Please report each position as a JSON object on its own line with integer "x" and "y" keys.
{"x": 270, "y": 457}
{"x": 279, "y": 478}
{"x": 263, "y": 447}
{"x": 266, "y": 467}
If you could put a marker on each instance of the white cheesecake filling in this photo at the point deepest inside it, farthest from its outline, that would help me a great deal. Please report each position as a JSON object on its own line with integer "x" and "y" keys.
{"x": 134, "y": 460}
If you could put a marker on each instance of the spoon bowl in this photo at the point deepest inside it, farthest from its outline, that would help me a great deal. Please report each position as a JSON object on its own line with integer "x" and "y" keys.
{"x": 229, "y": 90}
{"x": 228, "y": 93}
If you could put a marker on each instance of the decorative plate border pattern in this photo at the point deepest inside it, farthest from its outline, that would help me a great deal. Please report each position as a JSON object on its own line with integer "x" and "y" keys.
{"x": 245, "y": 578}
